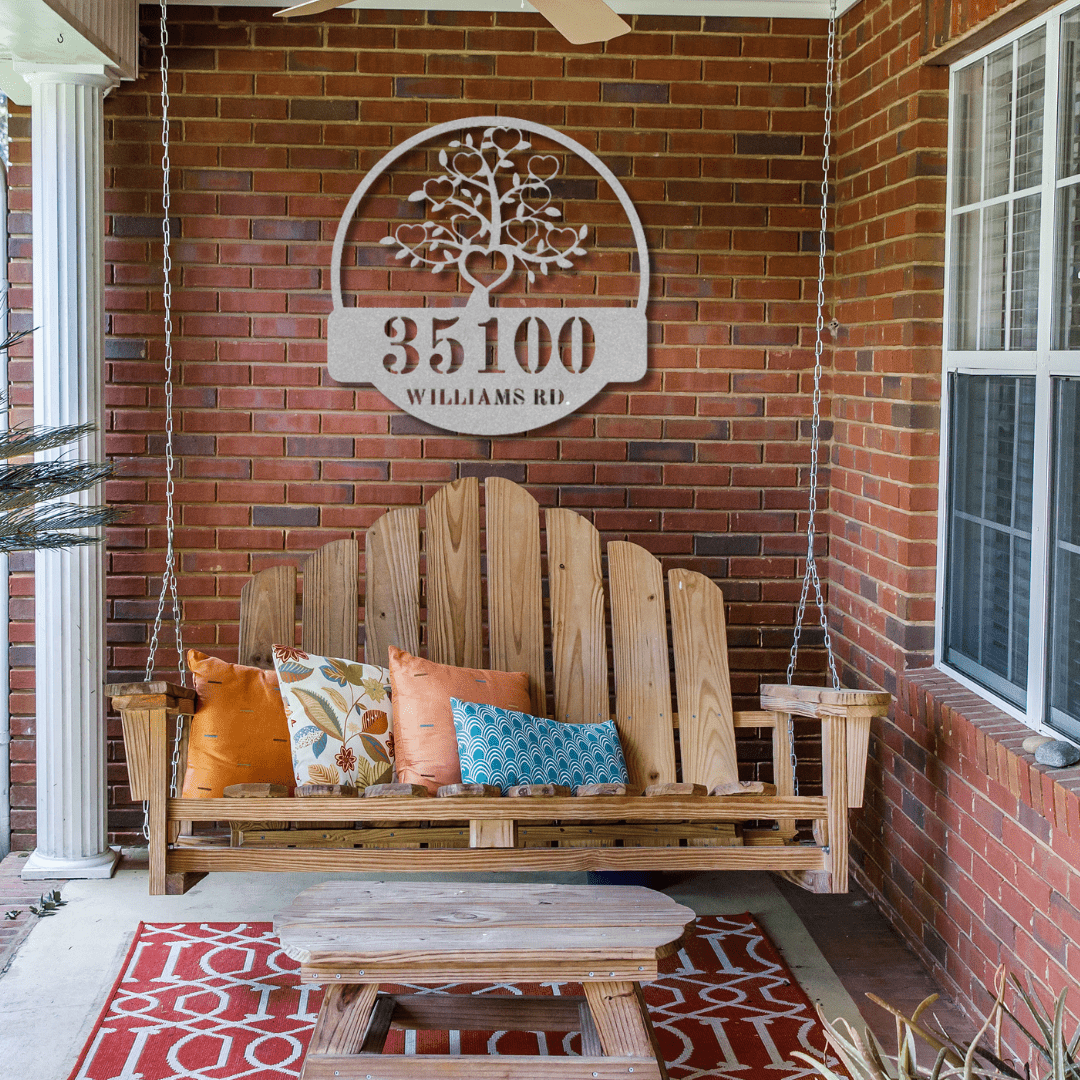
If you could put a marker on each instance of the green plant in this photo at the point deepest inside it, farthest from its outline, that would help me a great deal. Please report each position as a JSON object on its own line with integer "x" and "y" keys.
{"x": 30, "y": 516}
{"x": 862, "y": 1057}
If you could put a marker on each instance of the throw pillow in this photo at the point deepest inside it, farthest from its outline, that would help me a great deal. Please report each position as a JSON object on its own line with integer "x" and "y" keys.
{"x": 340, "y": 722}
{"x": 427, "y": 750}
{"x": 238, "y": 733}
{"x": 504, "y": 747}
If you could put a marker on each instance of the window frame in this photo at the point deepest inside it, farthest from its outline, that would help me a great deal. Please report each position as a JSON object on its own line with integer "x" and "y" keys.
{"x": 1044, "y": 363}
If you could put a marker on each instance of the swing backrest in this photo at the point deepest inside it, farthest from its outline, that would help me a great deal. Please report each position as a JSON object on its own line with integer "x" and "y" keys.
{"x": 448, "y": 548}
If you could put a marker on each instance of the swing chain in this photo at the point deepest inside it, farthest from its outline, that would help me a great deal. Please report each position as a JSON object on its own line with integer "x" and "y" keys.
{"x": 168, "y": 577}
{"x": 175, "y": 762}
{"x": 811, "y": 574}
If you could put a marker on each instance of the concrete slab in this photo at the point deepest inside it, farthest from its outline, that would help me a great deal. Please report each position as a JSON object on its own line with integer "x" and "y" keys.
{"x": 61, "y": 976}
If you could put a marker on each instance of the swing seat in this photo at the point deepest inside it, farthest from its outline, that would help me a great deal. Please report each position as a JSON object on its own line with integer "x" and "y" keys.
{"x": 664, "y": 821}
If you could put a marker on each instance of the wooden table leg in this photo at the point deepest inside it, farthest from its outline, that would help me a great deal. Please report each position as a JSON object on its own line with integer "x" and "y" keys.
{"x": 622, "y": 1021}
{"x": 343, "y": 1019}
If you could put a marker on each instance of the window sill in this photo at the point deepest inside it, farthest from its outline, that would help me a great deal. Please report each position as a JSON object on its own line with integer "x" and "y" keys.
{"x": 968, "y": 732}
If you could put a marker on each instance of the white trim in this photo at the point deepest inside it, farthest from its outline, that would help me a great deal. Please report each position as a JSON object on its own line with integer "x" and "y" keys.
{"x": 777, "y": 9}
{"x": 1043, "y": 364}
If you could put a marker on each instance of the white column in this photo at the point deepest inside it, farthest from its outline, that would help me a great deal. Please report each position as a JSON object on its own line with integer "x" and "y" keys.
{"x": 67, "y": 128}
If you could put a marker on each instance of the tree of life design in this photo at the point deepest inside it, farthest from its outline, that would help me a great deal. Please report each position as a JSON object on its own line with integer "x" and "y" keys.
{"x": 489, "y": 205}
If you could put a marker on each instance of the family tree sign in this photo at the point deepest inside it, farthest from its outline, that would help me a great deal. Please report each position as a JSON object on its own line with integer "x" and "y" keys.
{"x": 489, "y": 215}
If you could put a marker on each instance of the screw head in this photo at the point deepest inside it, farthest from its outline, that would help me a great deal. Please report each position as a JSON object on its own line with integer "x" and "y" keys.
{"x": 590, "y": 974}
{"x": 337, "y": 976}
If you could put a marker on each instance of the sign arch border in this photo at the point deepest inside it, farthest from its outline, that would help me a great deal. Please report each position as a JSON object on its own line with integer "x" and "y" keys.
{"x": 468, "y": 123}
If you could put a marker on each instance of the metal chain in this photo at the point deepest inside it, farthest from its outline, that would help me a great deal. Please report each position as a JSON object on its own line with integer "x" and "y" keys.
{"x": 168, "y": 577}
{"x": 173, "y": 789}
{"x": 811, "y": 574}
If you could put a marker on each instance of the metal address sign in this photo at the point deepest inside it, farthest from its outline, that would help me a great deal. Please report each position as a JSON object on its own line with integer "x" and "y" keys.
{"x": 489, "y": 215}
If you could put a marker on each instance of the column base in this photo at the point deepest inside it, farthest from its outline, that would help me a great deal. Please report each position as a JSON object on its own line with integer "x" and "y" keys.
{"x": 40, "y": 867}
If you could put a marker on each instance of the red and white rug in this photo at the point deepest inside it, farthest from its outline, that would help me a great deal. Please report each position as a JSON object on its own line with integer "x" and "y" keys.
{"x": 220, "y": 1001}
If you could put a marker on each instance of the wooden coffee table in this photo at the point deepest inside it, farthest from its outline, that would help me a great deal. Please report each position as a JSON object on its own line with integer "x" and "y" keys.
{"x": 355, "y": 935}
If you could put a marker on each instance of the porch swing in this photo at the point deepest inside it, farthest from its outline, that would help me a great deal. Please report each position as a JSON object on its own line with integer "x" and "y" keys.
{"x": 696, "y": 814}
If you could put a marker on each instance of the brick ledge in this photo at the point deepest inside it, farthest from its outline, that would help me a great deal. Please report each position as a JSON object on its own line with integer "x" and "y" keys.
{"x": 993, "y": 739}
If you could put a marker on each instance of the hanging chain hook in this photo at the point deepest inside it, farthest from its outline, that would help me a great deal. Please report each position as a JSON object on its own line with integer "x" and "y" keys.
{"x": 168, "y": 577}
{"x": 811, "y": 575}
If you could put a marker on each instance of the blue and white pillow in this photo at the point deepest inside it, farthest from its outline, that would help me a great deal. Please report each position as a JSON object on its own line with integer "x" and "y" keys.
{"x": 504, "y": 747}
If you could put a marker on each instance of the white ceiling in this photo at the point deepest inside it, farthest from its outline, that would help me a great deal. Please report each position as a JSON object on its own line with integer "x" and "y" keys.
{"x": 791, "y": 9}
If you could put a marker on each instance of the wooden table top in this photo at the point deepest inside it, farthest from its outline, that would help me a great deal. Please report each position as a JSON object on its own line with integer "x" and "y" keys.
{"x": 427, "y": 932}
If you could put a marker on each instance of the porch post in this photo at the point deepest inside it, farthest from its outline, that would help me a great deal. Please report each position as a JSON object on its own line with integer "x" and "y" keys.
{"x": 69, "y": 586}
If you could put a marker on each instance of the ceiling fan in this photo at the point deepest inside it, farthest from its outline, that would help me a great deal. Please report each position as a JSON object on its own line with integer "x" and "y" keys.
{"x": 579, "y": 21}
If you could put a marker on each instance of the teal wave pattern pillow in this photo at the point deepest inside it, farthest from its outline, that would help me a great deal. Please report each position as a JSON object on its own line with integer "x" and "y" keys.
{"x": 504, "y": 747}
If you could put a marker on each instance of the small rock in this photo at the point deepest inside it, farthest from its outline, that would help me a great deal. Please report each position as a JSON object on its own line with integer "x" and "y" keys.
{"x": 1033, "y": 742}
{"x": 1057, "y": 753}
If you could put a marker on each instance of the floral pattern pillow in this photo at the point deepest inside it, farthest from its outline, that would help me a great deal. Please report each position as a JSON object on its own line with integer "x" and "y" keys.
{"x": 340, "y": 720}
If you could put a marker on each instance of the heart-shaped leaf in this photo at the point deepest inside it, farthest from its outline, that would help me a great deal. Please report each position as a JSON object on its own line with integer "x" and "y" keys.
{"x": 544, "y": 167}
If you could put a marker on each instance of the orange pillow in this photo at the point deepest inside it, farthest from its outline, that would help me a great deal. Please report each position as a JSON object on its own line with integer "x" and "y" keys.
{"x": 239, "y": 734}
{"x": 425, "y": 740}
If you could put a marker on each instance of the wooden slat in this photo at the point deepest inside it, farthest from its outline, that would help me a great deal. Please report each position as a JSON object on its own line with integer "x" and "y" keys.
{"x": 475, "y": 1067}
{"x": 492, "y": 834}
{"x": 622, "y": 1021}
{"x": 819, "y": 701}
{"x": 642, "y": 681}
{"x": 343, "y": 1019}
{"x": 381, "y": 1018}
{"x": 330, "y": 607}
{"x": 834, "y": 781}
{"x": 783, "y": 770}
{"x": 578, "y": 636}
{"x": 464, "y": 1012}
{"x": 156, "y": 794}
{"x": 702, "y": 680}
{"x": 453, "y": 575}
{"x": 392, "y": 585}
{"x": 453, "y": 860}
{"x": 136, "y": 725}
{"x": 606, "y": 808}
{"x": 515, "y": 596}
{"x": 267, "y": 615}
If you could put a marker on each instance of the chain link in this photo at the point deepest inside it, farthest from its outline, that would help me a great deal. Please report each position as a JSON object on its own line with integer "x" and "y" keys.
{"x": 811, "y": 575}
{"x": 174, "y": 791}
{"x": 168, "y": 577}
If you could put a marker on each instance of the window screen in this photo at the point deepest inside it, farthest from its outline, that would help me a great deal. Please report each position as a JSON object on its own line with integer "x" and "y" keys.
{"x": 992, "y": 436}
{"x": 1064, "y": 648}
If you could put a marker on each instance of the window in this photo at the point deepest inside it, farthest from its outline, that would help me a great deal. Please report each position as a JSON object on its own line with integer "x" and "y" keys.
{"x": 1009, "y": 552}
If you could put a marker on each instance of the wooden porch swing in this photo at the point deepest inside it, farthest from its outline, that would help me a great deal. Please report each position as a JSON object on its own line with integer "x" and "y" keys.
{"x": 662, "y": 823}
{"x": 684, "y": 810}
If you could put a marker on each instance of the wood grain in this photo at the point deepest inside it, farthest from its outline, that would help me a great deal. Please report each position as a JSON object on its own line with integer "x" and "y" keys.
{"x": 500, "y": 833}
{"x": 515, "y": 597}
{"x": 543, "y": 860}
{"x": 642, "y": 680}
{"x": 136, "y": 726}
{"x": 607, "y": 808}
{"x": 267, "y": 615}
{"x": 464, "y": 1012}
{"x": 819, "y": 701}
{"x": 654, "y": 791}
{"x": 157, "y": 809}
{"x": 702, "y": 680}
{"x": 343, "y": 1018}
{"x": 453, "y": 575}
{"x": 621, "y": 1019}
{"x": 386, "y": 791}
{"x": 578, "y": 636}
{"x": 330, "y": 607}
{"x": 256, "y": 791}
{"x": 392, "y": 585}
{"x": 537, "y": 791}
{"x": 473, "y": 1067}
{"x": 469, "y": 791}
{"x": 834, "y": 777}
{"x": 382, "y": 1017}
{"x": 743, "y": 787}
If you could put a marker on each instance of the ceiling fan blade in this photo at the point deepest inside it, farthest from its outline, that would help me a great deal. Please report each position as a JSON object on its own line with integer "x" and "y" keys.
{"x": 582, "y": 21}
{"x": 310, "y": 7}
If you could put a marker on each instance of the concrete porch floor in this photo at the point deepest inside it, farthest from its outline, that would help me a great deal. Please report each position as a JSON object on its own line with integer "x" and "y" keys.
{"x": 62, "y": 971}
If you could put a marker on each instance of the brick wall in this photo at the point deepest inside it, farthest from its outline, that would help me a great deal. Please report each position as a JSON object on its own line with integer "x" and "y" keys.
{"x": 967, "y": 845}
{"x": 973, "y": 849}
{"x": 712, "y": 125}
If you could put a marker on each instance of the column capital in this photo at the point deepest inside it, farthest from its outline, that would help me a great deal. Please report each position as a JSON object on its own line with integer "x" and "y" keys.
{"x": 72, "y": 74}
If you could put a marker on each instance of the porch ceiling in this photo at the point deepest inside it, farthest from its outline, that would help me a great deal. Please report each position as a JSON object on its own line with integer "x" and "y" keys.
{"x": 790, "y": 9}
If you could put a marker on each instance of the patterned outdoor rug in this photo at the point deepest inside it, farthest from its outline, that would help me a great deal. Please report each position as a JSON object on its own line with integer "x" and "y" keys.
{"x": 220, "y": 1001}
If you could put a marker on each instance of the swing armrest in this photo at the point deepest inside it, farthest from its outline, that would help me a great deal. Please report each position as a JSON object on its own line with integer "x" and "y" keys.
{"x": 150, "y": 695}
